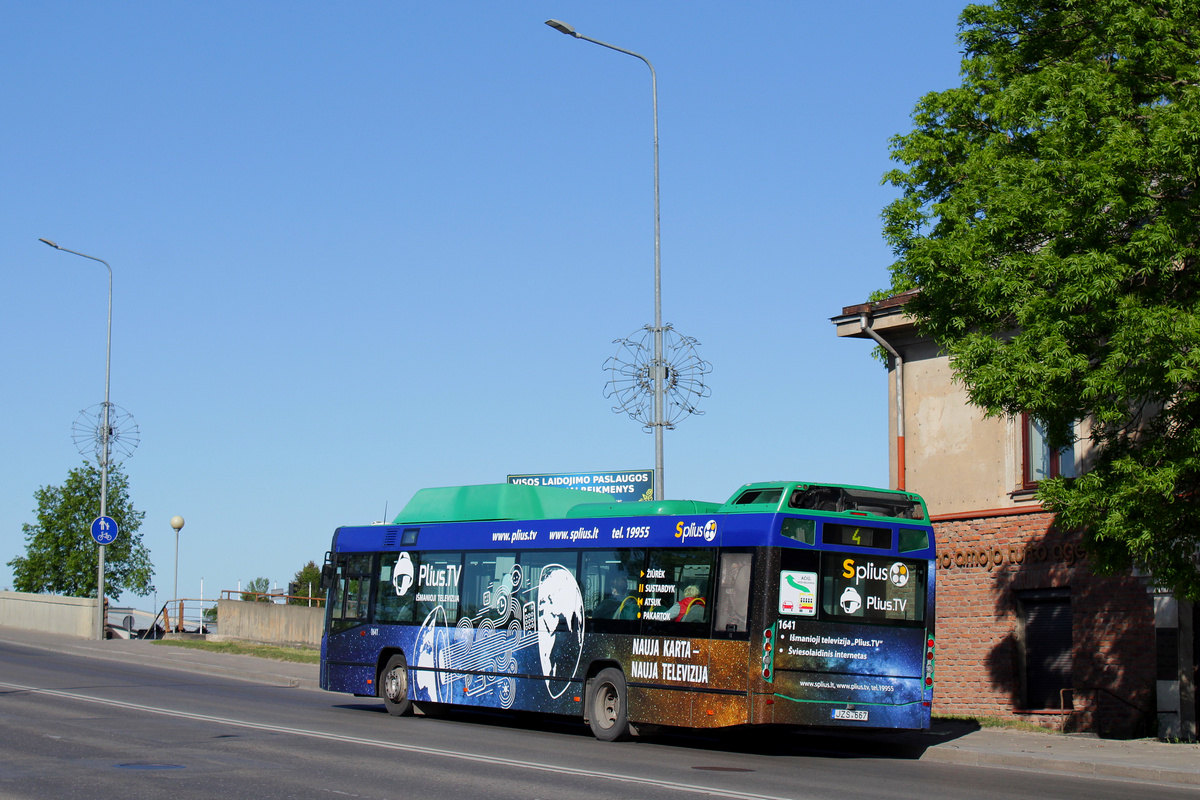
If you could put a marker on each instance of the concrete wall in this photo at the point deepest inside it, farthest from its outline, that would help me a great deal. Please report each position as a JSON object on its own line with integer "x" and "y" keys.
{"x": 270, "y": 622}
{"x": 69, "y": 616}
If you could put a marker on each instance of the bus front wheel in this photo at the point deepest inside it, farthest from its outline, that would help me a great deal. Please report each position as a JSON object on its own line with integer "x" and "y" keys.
{"x": 607, "y": 707}
{"x": 393, "y": 687}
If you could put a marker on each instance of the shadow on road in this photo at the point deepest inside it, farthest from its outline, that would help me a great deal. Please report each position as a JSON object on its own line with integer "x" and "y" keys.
{"x": 759, "y": 740}
{"x": 827, "y": 743}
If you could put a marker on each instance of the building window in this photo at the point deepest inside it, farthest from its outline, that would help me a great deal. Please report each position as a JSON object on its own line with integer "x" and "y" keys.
{"x": 1039, "y": 460}
{"x": 1045, "y": 646}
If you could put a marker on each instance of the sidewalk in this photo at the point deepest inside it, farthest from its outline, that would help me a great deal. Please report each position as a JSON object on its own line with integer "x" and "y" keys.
{"x": 1142, "y": 760}
{"x": 248, "y": 668}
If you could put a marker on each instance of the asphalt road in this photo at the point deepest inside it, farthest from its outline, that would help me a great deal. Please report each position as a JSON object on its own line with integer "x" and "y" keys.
{"x": 75, "y": 727}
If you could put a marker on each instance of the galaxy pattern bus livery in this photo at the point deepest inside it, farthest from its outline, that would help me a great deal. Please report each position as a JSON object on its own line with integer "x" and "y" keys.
{"x": 792, "y": 603}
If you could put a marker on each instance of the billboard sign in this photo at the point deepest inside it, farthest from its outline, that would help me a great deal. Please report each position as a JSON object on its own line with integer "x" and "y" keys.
{"x": 625, "y": 486}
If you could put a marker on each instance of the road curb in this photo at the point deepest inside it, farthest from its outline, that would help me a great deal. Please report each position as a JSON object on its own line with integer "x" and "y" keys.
{"x": 953, "y": 754}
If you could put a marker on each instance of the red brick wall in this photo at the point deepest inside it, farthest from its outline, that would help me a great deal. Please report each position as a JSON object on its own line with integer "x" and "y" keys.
{"x": 982, "y": 563}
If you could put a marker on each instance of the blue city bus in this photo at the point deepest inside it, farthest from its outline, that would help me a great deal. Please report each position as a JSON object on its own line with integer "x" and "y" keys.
{"x": 791, "y": 604}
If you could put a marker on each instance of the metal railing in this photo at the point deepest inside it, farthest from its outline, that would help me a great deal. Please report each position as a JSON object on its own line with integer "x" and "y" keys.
{"x": 273, "y": 597}
{"x": 187, "y": 615}
{"x": 183, "y": 615}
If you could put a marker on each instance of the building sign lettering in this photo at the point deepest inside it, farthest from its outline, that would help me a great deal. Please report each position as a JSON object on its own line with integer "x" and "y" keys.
{"x": 1016, "y": 555}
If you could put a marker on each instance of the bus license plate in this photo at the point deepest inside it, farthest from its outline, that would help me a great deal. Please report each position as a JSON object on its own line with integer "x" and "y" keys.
{"x": 846, "y": 713}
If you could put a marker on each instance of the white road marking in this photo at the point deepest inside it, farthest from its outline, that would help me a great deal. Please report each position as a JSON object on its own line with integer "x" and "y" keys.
{"x": 408, "y": 748}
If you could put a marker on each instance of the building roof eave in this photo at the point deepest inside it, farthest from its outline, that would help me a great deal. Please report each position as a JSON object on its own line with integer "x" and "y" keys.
{"x": 886, "y": 314}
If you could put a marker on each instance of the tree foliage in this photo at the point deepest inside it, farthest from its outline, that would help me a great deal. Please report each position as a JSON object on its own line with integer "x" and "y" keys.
{"x": 257, "y": 590}
{"x": 307, "y": 583}
{"x": 60, "y": 555}
{"x": 1050, "y": 218}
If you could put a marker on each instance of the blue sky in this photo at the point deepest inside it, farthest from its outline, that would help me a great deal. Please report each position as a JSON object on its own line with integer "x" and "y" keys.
{"x": 361, "y": 248}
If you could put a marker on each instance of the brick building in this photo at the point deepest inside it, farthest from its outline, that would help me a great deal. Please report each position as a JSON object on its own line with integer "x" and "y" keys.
{"x": 1025, "y": 631}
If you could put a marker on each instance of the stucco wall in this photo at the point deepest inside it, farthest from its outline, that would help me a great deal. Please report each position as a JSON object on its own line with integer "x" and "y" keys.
{"x": 69, "y": 616}
{"x": 956, "y": 458}
{"x": 270, "y": 622}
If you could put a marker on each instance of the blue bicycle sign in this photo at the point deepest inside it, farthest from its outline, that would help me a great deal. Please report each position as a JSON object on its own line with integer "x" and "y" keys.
{"x": 104, "y": 530}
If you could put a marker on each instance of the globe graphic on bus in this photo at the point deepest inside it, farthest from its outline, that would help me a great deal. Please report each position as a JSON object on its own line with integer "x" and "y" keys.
{"x": 559, "y": 626}
{"x": 431, "y": 646}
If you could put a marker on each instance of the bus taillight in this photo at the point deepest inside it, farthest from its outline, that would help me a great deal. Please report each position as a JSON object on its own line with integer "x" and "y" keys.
{"x": 929, "y": 663}
{"x": 768, "y": 654}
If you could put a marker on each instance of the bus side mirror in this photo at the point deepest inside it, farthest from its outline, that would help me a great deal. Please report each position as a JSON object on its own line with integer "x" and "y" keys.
{"x": 327, "y": 574}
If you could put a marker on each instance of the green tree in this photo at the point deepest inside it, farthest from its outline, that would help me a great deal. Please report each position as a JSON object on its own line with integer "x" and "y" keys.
{"x": 306, "y": 583}
{"x": 60, "y": 555}
{"x": 1050, "y": 219}
{"x": 257, "y": 589}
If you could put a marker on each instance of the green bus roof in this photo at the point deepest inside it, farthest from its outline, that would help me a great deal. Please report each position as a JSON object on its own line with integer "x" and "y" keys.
{"x": 505, "y": 501}
{"x": 491, "y": 501}
{"x": 646, "y": 508}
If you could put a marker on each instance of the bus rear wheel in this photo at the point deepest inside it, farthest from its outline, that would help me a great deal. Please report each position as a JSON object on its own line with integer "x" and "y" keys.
{"x": 393, "y": 687}
{"x": 608, "y": 710}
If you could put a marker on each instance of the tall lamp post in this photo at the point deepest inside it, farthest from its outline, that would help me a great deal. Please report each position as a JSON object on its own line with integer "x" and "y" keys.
{"x": 104, "y": 439}
{"x": 177, "y": 524}
{"x": 659, "y": 367}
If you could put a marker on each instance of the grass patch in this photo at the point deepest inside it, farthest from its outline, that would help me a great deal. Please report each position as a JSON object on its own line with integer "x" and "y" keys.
{"x": 274, "y": 652}
{"x": 997, "y": 722}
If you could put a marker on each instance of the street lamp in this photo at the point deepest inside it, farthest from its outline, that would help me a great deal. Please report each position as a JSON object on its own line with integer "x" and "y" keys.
{"x": 104, "y": 439}
{"x": 177, "y": 524}
{"x": 659, "y": 367}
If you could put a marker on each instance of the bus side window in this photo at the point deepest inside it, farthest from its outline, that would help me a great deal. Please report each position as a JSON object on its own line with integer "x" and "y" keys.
{"x": 733, "y": 593}
{"x": 394, "y": 598}
{"x": 551, "y": 600}
{"x": 488, "y": 587}
{"x": 438, "y": 584}
{"x": 677, "y": 591}
{"x": 610, "y": 583}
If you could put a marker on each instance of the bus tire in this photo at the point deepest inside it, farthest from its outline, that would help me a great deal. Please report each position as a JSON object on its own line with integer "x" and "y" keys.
{"x": 608, "y": 709}
{"x": 393, "y": 687}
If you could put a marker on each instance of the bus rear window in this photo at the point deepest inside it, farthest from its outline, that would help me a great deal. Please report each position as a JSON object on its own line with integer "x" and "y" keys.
{"x": 912, "y": 539}
{"x": 872, "y": 589}
{"x": 866, "y": 501}
{"x": 802, "y": 530}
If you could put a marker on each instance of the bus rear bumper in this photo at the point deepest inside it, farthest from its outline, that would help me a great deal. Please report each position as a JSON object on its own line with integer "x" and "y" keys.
{"x": 775, "y": 709}
{"x": 865, "y": 701}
